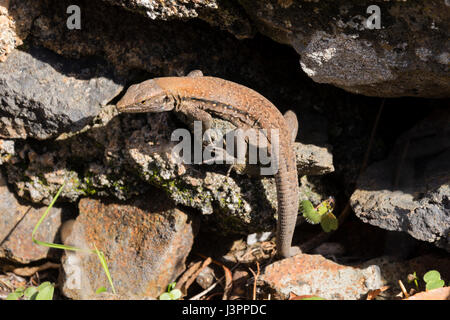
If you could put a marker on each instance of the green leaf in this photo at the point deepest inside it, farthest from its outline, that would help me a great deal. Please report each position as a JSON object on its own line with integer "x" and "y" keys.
{"x": 13, "y": 296}
{"x": 435, "y": 284}
{"x": 325, "y": 206}
{"x": 321, "y": 209}
{"x": 100, "y": 254}
{"x": 329, "y": 222}
{"x": 100, "y": 290}
{"x": 102, "y": 258}
{"x": 46, "y": 293}
{"x": 20, "y": 290}
{"x": 30, "y": 292}
{"x": 175, "y": 294}
{"x": 310, "y": 214}
{"x": 171, "y": 286}
{"x": 432, "y": 276}
{"x": 43, "y": 285}
{"x": 165, "y": 296}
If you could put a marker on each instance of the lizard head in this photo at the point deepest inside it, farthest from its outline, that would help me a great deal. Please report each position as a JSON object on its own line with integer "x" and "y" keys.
{"x": 146, "y": 96}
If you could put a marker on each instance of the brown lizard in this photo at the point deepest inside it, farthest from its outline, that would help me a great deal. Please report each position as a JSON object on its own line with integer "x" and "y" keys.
{"x": 198, "y": 97}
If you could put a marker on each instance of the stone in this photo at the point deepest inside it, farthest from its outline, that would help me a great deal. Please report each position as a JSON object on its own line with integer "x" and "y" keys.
{"x": 392, "y": 271}
{"x": 163, "y": 10}
{"x": 314, "y": 275}
{"x": 16, "y": 17}
{"x": 44, "y": 95}
{"x": 410, "y": 191}
{"x": 407, "y": 56}
{"x": 145, "y": 242}
{"x": 17, "y": 221}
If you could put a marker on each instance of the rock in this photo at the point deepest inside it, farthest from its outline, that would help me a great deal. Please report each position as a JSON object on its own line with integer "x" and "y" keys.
{"x": 163, "y": 10}
{"x": 408, "y": 56}
{"x": 17, "y": 221}
{"x": 410, "y": 191}
{"x": 145, "y": 244}
{"x": 7, "y": 150}
{"x": 95, "y": 160}
{"x": 206, "y": 277}
{"x": 313, "y": 160}
{"x": 241, "y": 205}
{"x": 435, "y": 294}
{"x": 16, "y": 17}
{"x": 44, "y": 95}
{"x": 139, "y": 148}
{"x": 392, "y": 271}
{"x": 330, "y": 250}
{"x": 314, "y": 275}
{"x": 227, "y": 15}
{"x": 7, "y": 35}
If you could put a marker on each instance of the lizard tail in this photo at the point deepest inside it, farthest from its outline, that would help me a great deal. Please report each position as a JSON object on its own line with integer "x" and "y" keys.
{"x": 287, "y": 193}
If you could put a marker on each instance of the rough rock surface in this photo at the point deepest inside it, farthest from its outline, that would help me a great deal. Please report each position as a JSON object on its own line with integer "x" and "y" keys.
{"x": 8, "y": 37}
{"x": 17, "y": 222}
{"x": 12, "y": 30}
{"x": 225, "y": 14}
{"x": 408, "y": 56}
{"x": 43, "y": 94}
{"x": 162, "y": 10}
{"x": 314, "y": 275}
{"x": 7, "y": 150}
{"x": 392, "y": 271}
{"x": 410, "y": 191}
{"x": 145, "y": 244}
{"x": 139, "y": 148}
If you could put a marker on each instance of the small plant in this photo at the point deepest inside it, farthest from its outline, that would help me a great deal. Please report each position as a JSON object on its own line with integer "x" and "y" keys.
{"x": 43, "y": 292}
{"x": 99, "y": 253}
{"x": 172, "y": 293}
{"x": 413, "y": 278}
{"x": 433, "y": 280}
{"x": 322, "y": 214}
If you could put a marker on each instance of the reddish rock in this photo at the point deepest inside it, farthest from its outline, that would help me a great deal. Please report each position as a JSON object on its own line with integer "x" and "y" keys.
{"x": 314, "y": 275}
{"x": 17, "y": 222}
{"x": 145, "y": 243}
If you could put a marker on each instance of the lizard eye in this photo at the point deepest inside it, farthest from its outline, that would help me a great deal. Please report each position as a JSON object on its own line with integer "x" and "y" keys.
{"x": 166, "y": 99}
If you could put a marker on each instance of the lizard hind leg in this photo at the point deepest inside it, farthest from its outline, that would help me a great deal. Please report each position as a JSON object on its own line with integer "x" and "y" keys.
{"x": 292, "y": 122}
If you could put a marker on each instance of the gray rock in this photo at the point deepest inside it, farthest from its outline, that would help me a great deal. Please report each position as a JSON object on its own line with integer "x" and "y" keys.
{"x": 43, "y": 94}
{"x": 138, "y": 148}
{"x": 313, "y": 160}
{"x": 145, "y": 243}
{"x": 162, "y": 10}
{"x": 392, "y": 271}
{"x": 408, "y": 56}
{"x": 240, "y": 204}
{"x": 225, "y": 14}
{"x": 410, "y": 191}
{"x": 17, "y": 221}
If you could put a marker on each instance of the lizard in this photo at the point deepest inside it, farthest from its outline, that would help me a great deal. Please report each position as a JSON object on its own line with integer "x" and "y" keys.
{"x": 199, "y": 97}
